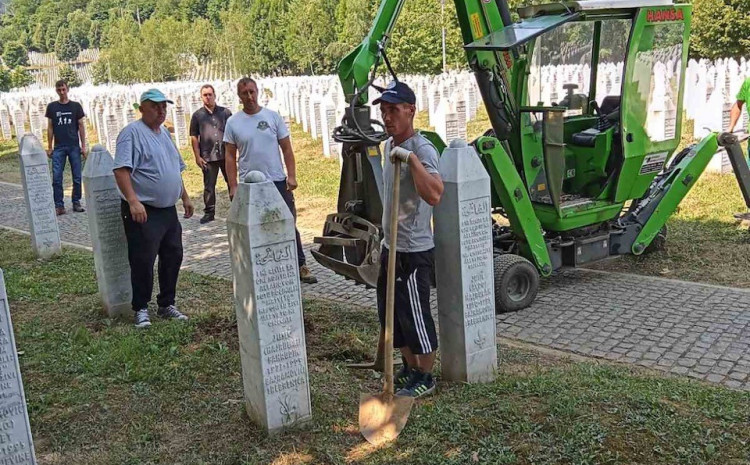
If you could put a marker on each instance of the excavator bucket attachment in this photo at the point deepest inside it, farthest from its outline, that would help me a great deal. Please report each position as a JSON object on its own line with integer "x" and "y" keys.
{"x": 350, "y": 246}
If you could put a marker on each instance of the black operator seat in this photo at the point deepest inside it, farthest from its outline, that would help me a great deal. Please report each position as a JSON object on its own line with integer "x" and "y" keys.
{"x": 609, "y": 115}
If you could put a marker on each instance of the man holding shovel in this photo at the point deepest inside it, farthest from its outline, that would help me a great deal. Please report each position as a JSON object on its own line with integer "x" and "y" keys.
{"x": 420, "y": 189}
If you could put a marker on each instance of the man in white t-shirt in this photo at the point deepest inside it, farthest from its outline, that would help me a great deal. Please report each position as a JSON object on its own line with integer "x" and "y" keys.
{"x": 257, "y": 133}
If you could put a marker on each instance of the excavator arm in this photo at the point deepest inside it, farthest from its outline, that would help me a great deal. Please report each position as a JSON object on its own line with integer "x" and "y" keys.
{"x": 350, "y": 243}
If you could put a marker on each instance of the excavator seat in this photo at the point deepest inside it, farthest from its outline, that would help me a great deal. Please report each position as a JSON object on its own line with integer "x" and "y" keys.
{"x": 609, "y": 112}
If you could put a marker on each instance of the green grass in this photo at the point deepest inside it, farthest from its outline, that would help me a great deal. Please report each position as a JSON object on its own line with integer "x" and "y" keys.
{"x": 101, "y": 392}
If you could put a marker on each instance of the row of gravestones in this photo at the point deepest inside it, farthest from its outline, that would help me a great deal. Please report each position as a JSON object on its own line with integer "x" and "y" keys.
{"x": 267, "y": 292}
{"x": 316, "y": 103}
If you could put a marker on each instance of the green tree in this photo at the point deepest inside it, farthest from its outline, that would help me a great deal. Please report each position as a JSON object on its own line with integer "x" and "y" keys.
{"x": 68, "y": 74}
{"x": 256, "y": 38}
{"x": 310, "y": 29}
{"x": 5, "y": 81}
{"x": 416, "y": 46}
{"x": 720, "y": 28}
{"x": 15, "y": 54}
{"x": 100, "y": 71}
{"x": 79, "y": 26}
{"x": 20, "y": 77}
{"x": 66, "y": 48}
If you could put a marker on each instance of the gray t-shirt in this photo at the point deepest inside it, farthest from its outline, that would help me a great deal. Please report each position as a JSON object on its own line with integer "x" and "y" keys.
{"x": 154, "y": 161}
{"x": 257, "y": 139}
{"x": 415, "y": 215}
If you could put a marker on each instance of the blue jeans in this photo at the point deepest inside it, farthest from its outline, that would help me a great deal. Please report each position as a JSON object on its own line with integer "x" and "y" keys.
{"x": 59, "y": 155}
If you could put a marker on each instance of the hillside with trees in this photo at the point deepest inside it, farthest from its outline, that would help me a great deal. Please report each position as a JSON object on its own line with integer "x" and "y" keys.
{"x": 158, "y": 40}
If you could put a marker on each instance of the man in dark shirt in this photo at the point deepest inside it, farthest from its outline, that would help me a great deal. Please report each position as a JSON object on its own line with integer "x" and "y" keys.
{"x": 66, "y": 127}
{"x": 206, "y": 135}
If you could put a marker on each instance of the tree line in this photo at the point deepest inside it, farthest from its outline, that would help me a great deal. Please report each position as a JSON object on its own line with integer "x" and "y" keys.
{"x": 158, "y": 40}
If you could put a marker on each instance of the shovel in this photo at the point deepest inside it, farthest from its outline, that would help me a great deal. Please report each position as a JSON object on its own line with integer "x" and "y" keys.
{"x": 383, "y": 416}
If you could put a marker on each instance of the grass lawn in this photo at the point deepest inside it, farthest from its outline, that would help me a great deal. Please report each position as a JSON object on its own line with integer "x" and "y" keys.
{"x": 106, "y": 393}
{"x": 704, "y": 242}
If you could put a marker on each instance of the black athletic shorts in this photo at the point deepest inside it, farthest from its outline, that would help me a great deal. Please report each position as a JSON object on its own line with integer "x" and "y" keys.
{"x": 413, "y": 326}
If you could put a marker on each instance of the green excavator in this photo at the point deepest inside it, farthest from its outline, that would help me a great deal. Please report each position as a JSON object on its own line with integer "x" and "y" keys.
{"x": 581, "y": 175}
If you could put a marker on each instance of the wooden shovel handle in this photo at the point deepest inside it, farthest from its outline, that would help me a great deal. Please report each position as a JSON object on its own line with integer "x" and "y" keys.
{"x": 391, "y": 280}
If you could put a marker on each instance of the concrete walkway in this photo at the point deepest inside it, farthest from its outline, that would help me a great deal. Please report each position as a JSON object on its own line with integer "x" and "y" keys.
{"x": 689, "y": 329}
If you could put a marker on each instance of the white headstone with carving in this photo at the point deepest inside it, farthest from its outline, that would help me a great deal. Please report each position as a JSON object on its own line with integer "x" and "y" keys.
{"x": 107, "y": 233}
{"x": 16, "y": 444}
{"x": 464, "y": 267}
{"x": 268, "y": 303}
{"x": 40, "y": 206}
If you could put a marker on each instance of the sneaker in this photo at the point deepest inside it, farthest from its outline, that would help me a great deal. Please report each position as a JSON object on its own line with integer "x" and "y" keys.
{"x": 306, "y": 276}
{"x": 401, "y": 378}
{"x": 419, "y": 385}
{"x": 170, "y": 312}
{"x": 208, "y": 217}
{"x": 141, "y": 318}
{"x": 60, "y": 211}
{"x": 78, "y": 208}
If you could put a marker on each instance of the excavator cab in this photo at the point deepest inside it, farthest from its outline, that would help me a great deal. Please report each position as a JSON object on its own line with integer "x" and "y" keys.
{"x": 585, "y": 102}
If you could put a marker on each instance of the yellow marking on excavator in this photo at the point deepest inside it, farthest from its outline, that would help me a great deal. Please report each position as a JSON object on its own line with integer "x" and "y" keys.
{"x": 476, "y": 26}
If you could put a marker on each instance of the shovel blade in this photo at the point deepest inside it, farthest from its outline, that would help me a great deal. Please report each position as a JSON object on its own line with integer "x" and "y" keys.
{"x": 383, "y": 416}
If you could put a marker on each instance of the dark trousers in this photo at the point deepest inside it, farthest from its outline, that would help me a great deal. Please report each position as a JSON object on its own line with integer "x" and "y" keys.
{"x": 160, "y": 235}
{"x": 59, "y": 156}
{"x": 288, "y": 197}
{"x": 210, "y": 175}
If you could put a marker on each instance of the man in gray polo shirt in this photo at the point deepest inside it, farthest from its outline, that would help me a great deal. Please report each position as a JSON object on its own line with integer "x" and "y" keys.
{"x": 421, "y": 188}
{"x": 148, "y": 170}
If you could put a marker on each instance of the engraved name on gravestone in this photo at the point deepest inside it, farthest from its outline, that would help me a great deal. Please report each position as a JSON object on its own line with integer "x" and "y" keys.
{"x": 107, "y": 233}
{"x": 268, "y": 303}
{"x": 40, "y": 207}
{"x": 464, "y": 271}
{"x": 16, "y": 445}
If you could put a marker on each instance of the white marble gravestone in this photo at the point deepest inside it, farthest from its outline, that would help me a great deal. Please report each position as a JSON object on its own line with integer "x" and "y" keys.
{"x": 18, "y": 123}
{"x": 268, "y": 303}
{"x": 107, "y": 233}
{"x": 464, "y": 268}
{"x": 40, "y": 206}
{"x": 16, "y": 445}
{"x": 5, "y": 128}
{"x": 180, "y": 126}
{"x": 111, "y": 131}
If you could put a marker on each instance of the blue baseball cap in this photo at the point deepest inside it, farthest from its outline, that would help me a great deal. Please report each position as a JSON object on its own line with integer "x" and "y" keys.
{"x": 155, "y": 95}
{"x": 396, "y": 92}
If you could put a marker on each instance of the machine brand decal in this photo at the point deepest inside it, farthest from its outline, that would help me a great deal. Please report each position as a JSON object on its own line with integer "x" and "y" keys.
{"x": 658, "y": 16}
{"x": 653, "y": 163}
{"x": 508, "y": 60}
{"x": 372, "y": 151}
{"x": 476, "y": 26}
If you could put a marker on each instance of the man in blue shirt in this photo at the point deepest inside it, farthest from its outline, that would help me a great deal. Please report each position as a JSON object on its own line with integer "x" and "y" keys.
{"x": 148, "y": 170}
{"x": 66, "y": 127}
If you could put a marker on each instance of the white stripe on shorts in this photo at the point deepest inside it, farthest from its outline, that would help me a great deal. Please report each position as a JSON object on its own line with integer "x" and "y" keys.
{"x": 416, "y": 311}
